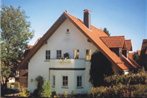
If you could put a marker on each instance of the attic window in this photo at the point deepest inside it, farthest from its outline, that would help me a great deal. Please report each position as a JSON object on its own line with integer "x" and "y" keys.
{"x": 67, "y": 31}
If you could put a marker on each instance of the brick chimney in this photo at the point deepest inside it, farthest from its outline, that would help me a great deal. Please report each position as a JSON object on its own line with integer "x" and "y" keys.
{"x": 86, "y": 18}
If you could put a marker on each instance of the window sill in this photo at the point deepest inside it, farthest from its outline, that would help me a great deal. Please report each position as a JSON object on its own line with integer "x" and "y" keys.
{"x": 48, "y": 60}
{"x": 80, "y": 87}
{"x": 65, "y": 87}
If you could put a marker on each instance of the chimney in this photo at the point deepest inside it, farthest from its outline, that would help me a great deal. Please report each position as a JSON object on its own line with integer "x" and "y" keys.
{"x": 86, "y": 18}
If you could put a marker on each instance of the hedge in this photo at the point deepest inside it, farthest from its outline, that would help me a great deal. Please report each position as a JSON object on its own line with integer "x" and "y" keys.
{"x": 132, "y": 85}
{"x": 120, "y": 91}
{"x": 132, "y": 79}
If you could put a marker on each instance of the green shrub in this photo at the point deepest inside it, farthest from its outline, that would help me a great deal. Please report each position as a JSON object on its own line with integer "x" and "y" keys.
{"x": 46, "y": 91}
{"x": 132, "y": 85}
{"x": 120, "y": 91}
{"x": 139, "y": 78}
{"x": 38, "y": 90}
{"x": 24, "y": 93}
{"x": 140, "y": 91}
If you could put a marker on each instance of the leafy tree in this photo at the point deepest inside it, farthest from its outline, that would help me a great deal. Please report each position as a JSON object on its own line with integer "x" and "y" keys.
{"x": 5, "y": 72}
{"x": 46, "y": 91}
{"x": 136, "y": 56}
{"x": 100, "y": 67}
{"x": 15, "y": 35}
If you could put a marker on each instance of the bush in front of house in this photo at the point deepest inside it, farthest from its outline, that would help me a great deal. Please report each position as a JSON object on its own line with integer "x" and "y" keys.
{"x": 46, "y": 92}
{"x": 132, "y": 85}
{"x": 120, "y": 91}
{"x": 138, "y": 78}
{"x": 24, "y": 93}
{"x": 43, "y": 88}
{"x": 99, "y": 61}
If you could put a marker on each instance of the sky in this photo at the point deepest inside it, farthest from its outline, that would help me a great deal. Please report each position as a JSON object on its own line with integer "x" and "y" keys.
{"x": 120, "y": 17}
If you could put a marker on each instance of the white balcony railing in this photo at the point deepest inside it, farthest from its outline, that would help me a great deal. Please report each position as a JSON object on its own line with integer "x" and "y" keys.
{"x": 68, "y": 62}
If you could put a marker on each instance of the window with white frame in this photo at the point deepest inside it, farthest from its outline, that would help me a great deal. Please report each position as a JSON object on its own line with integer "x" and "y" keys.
{"x": 76, "y": 54}
{"x": 54, "y": 82}
{"x": 59, "y": 54}
{"x": 79, "y": 81}
{"x": 48, "y": 54}
{"x": 65, "y": 81}
{"x": 88, "y": 54}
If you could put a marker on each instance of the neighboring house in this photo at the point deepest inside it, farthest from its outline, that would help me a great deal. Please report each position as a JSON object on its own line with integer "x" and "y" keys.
{"x": 63, "y": 54}
{"x": 143, "y": 54}
{"x": 23, "y": 70}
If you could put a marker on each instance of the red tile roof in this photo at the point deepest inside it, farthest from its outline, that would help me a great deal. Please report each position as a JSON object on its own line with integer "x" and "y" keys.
{"x": 114, "y": 41}
{"x": 93, "y": 34}
{"x": 131, "y": 58}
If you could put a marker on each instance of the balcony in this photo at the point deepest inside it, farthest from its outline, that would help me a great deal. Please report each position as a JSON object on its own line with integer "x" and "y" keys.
{"x": 68, "y": 63}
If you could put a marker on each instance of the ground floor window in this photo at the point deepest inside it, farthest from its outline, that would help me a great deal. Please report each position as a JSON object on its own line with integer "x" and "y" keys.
{"x": 65, "y": 81}
{"x": 79, "y": 81}
{"x": 53, "y": 81}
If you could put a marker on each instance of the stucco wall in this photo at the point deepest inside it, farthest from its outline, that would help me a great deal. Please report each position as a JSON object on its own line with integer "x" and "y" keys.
{"x": 60, "y": 40}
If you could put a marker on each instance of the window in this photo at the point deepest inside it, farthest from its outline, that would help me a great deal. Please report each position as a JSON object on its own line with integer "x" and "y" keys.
{"x": 67, "y": 31}
{"x": 53, "y": 81}
{"x": 76, "y": 54}
{"x": 88, "y": 54}
{"x": 65, "y": 80}
{"x": 47, "y": 54}
{"x": 59, "y": 54}
{"x": 79, "y": 81}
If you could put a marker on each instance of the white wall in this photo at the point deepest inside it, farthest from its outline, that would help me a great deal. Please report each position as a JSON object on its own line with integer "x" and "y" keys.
{"x": 72, "y": 81}
{"x": 67, "y": 43}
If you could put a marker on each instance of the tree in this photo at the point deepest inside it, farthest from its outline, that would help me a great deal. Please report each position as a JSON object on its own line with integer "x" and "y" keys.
{"x": 106, "y": 31}
{"x": 100, "y": 67}
{"x": 15, "y": 35}
{"x": 46, "y": 91}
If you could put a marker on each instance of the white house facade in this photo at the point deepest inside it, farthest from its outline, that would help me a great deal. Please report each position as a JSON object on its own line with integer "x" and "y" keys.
{"x": 63, "y": 57}
{"x": 70, "y": 75}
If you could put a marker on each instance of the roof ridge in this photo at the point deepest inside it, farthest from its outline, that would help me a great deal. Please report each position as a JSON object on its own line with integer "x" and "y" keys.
{"x": 112, "y": 36}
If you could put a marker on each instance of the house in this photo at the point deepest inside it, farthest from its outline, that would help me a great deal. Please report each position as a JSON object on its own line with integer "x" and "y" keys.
{"x": 143, "y": 54}
{"x": 62, "y": 55}
{"x": 23, "y": 70}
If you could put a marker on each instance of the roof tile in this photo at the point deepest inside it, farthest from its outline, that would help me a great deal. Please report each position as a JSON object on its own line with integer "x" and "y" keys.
{"x": 114, "y": 41}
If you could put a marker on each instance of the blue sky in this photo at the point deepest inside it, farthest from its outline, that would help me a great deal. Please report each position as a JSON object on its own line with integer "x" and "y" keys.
{"x": 120, "y": 17}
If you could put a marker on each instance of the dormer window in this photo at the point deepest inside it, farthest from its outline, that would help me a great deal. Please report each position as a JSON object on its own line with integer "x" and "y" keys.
{"x": 59, "y": 54}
